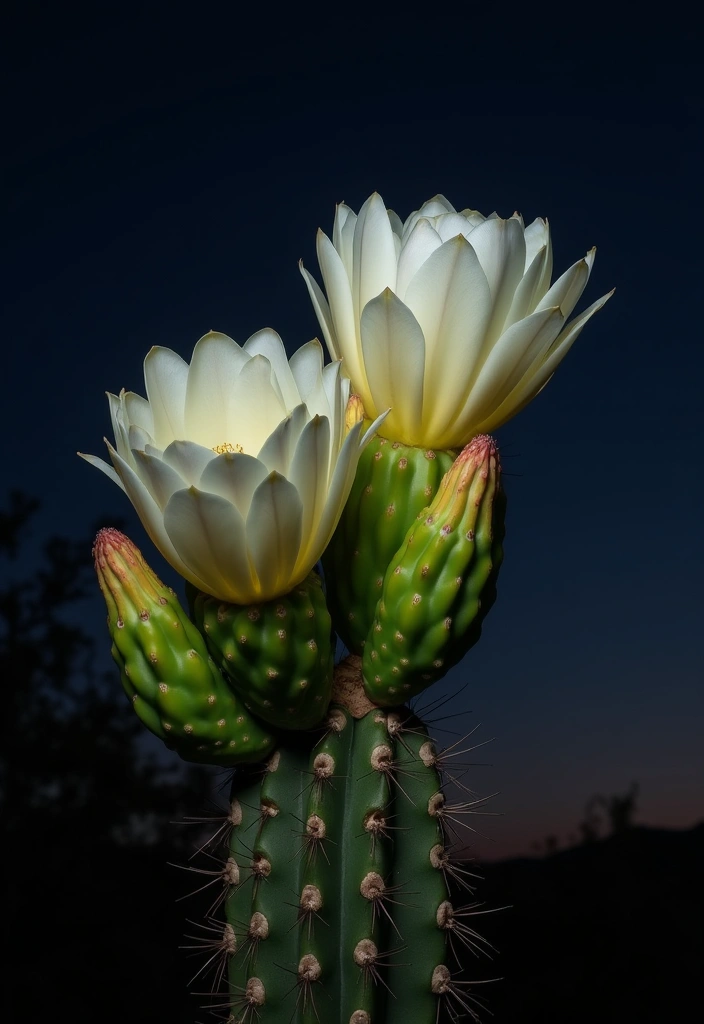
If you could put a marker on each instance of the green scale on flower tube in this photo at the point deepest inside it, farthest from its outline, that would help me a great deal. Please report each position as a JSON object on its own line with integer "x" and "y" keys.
{"x": 278, "y": 655}
{"x": 175, "y": 688}
{"x": 394, "y": 482}
{"x": 441, "y": 582}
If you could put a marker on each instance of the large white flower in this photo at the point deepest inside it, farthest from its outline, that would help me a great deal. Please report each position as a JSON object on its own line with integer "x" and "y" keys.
{"x": 238, "y": 465}
{"x": 449, "y": 319}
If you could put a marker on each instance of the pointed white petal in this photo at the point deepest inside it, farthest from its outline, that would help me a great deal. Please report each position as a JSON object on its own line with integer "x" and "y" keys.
{"x": 255, "y": 406}
{"x": 274, "y": 534}
{"x": 269, "y": 344}
{"x": 501, "y": 249}
{"x": 536, "y": 236}
{"x": 151, "y": 517}
{"x": 208, "y": 533}
{"x": 507, "y": 365}
{"x": 235, "y": 477}
{"x": 343, "y": 235}
{"x": 395, "y": 222}
{"x": 215, "y": 368}
{"x": 307, "y": 367}
{"x": 309, "y": 472}
{"x": 322, "y": 311}
{"x": 338, "y": 492}
{"x": 421, "y": 243}
{"x": 138, "y": 411}
{"x": 342, "y": 310}
{"x": 139, "y": 438}
{"x": 188, "y": 459}
{"x": 374, "y": 255}
{"x": 539, "y": 374}
{"x": 278, "y": 449}
{"x": 451, "y": 300}
{"x": 451, "y": 224}
{"x": 568, "y": 289}
{"x": 165, "y": 378}
{"x": 394, "y": 352}
{"x": 158, "y": 477}
{"x": 104, "y": 467}
{"x": 526, "y": 297}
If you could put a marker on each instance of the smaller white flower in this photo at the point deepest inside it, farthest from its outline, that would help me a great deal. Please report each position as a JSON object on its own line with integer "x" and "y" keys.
{"x": 238, "y": 465}
{"x": 449, "y": 318}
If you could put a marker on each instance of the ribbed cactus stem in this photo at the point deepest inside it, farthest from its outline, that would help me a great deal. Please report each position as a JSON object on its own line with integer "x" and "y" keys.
{"x": 345, "y": 880}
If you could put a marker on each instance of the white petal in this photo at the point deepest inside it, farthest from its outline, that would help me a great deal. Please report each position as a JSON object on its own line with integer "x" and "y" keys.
{"x": 269, "y": 344}
{"x": 343, "y": 235}
{"x": 208, "y": 533}
{"x": 215, "y": 369}
{"x": 255, "y": 406}
{"x": 451, "y": 300}
{"x": 235, "y": 477}
{"x": 338, "y": 493}
{"x": 274, "y": 534}
{"x": 158, "y": 477}
{"x": 188, "y": 459}
{"x": 539, "y": 375}
{"x": 568, "y": 289}
{"x": 307, "y": 367}
{"x": 278, "y": 449}
{"x": 374, "y": 255}
{"x": 119, "y": 425}
{"x": 309, "y": 472}
{"x": 526, "y": 297}
{"x": 507, "y": 364}
{"x": 501, "y": 249}
{"x": 139, "y": 411}
{"x": 337, "y": 391}
{"x": 322, "y": 311}
{"x": 394, "y": 353}
{"x": 166, "y": 377}
{"x": 104, "y": 467}
{"x": 342, "y": 314}
{"x": 151, "y": 517}
{"x": 435, "y": 207}
{"x": 139, "y": 438}
{"x": 421, "y": 243}
{"x": 395, "y": 222}
{"x": 451, "y": 224}
{"x": 537, "y": 236}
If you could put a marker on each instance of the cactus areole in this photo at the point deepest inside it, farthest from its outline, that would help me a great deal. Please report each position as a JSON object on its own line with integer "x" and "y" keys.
{"x": 339, "y": 897}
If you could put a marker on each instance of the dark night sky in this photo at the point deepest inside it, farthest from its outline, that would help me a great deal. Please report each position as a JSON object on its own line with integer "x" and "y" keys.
{"x": 164, "y": 176}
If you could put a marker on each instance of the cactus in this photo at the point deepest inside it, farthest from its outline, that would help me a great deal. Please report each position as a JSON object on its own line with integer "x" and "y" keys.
{"x": 278, "y": 655}
{"x": 339, "y": 909}
{"x": 394, "y": 483}
{"x": 442, "y": 581}
{"x": 336, "y": 880}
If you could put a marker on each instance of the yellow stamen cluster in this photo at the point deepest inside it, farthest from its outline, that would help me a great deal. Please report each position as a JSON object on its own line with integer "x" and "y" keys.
{"x": 228, "y": 448}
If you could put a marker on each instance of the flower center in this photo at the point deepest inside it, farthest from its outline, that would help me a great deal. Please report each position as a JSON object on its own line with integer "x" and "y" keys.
{"x": 222, "y": 449}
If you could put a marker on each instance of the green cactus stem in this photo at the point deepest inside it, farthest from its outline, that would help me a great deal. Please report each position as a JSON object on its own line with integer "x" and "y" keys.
{"x": 441, "y": 582}
{"x": 278, "y": 655}
{"x": 394, "y": 482}
{"x": 175, "y": 687}
{"x": 341, "y": 889}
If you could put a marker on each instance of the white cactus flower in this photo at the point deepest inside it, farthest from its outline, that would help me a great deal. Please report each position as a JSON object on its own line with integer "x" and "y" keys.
{"x": 238, "y": 465}
{"x": 449, "y": 318}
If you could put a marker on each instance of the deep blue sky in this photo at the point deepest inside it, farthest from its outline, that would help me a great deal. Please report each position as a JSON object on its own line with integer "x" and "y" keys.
{"x": 164, "y": 177}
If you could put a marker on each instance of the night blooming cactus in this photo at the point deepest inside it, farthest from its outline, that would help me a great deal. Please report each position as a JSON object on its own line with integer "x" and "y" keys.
{"x": 448, "y": 319}
{"x": 339, "y": 894}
